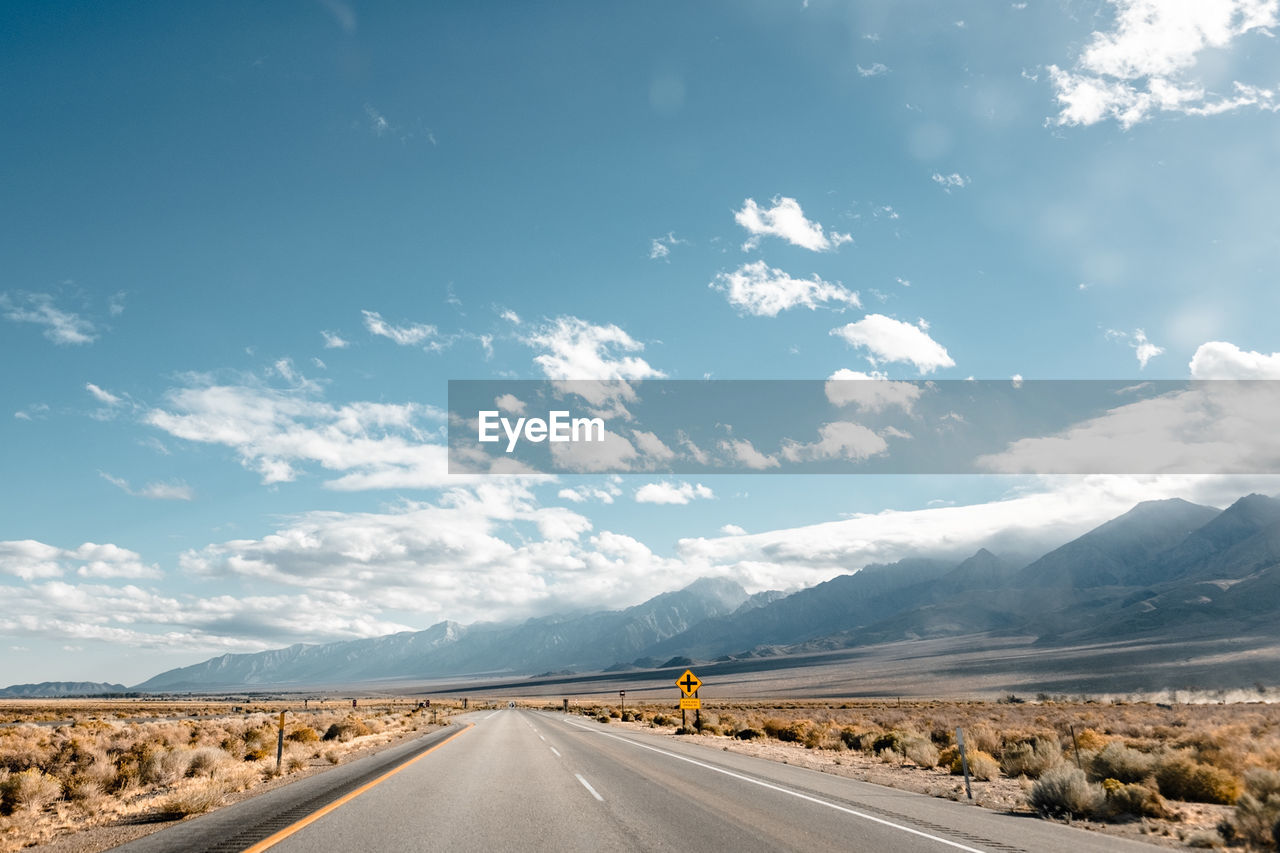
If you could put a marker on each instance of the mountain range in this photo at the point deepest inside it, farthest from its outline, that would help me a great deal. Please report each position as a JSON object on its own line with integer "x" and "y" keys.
{"x": 1164, "y": 571}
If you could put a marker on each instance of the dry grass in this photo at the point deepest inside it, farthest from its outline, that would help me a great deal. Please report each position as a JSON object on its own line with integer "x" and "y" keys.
{"x": 1142, "y": 768}
{"x": 68, "y": 765}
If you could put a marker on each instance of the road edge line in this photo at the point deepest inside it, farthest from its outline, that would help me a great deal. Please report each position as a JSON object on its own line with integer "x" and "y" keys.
{"x": 275, "y": 838}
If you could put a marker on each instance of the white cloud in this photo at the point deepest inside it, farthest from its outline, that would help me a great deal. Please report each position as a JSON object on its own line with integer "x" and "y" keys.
{"x": 876, "y": 69}
{"x": 651, "y": 447}
{"x": 954, "y": 181}
{"x": 1143, "y": 348}
{"x": 511, "y": 317}
{"x": 786, "y": 220}
{"x": 511, "y": 404}
{"x": 374, "y": 445}
{"x": 332, "y": 340}
{"x": 1033, "y": 519}
{"x": 377, "y": 121}
{"x": 406, "y": 336}
{"x": 660, "y": 247}
{"x": 115, "y": 305}
{"x": 1146, "y": 63}
{"x": 672, "y": 493}
{"x": 172, "y": 491}
{"x": 61, "y": 327}
{"x": 614, "y": 453}
{"x": 870, "y": 392}
{"x": 1223, "y": 360}
{"x": 32, "y": 412}
{"x": 1205, "y": 428}
{"x": 837, "y": 440}
{"x": 582, "y": 494}
{"x": 889, "y": 340}
{"x": 742, "y": 452}
{"x": 102, "y": 396}
{"x": 31, "y": 560}
{"x": 575, "y": 349}
{"x": 732, "y": 530}
{"x": 758, "y": 289}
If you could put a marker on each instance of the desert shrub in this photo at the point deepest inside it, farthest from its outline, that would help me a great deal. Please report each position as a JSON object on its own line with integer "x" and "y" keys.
{"x": 920, "y": 750}
{"x": 205, "y": 760}
{"x": 1091, "y": 741}
{"x": 793, "y": 732}
{"x": 813, "y": 737}
{"x": 661, "y": 720}
{"x": 1257, "y": 814}
{"x": 888, "y": 742}
{"x": 343, "y": 730}
{"x": 627, "y": 716}
{"x": 30, "y": 789}
{"x": 854, "y": 739}
{"x": 1181, "y": 778}
{"x": 982, "y": 737}
{"x": 747, "y": 734}
{"x": 982, "y": 765}
{"x": 1063, "y": 791}
{"x": 1031, "y": 758}
{"x": 603, "y": 718}
{"x": 615, "y": 713}
{"x": 1117, "y": 761}
{"x": 303, "y": 734}
{"x": 685, "y": 730}
{"x": 1123, "y": 800}
{"x": 194, "y": 796}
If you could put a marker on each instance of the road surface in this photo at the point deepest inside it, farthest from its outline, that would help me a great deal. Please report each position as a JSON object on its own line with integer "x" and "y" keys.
{"x": 524, "y": 780}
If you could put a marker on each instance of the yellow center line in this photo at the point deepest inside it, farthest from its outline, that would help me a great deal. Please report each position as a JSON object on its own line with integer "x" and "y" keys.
{"x": 272, "y": 840}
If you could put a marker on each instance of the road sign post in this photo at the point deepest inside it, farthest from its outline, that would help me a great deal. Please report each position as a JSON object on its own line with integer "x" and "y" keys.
{"x": 689, "y": 684}
{"x": 622, "y": 700}
{"x": 280, "y": 743}
{"x": 964, "y": 762}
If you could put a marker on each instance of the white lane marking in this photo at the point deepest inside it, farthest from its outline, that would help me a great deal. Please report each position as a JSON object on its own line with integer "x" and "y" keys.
{"x": 495, "y": 713}
{"x": 587, "y": 785}
{"x": 780, "y": 789}
{"x": 556, "y": 751}
{"x": 541, "y": 738}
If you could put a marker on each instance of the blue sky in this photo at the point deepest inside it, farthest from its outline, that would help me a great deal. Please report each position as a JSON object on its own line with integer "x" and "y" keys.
{"x": 245, "y": 249}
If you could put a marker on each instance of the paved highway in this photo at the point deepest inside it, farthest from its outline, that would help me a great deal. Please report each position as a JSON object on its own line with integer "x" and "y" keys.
{"x": 536, "y": 781}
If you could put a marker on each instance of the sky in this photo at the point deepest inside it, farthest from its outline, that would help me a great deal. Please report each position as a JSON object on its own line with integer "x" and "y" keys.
{"x": 246, "y": 248}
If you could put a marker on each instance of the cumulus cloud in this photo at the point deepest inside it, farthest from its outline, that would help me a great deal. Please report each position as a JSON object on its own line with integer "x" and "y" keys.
{"x": 672, "y": 493}
{"x": 875, "y": 69}
{"x": 1147, "y": 62}
{"x": 31, "y": 560}
{"x": 572, "y": 348}
{"x": 785, "y": 219}
{"x": 273, "y": 431}
{"x": 837, "y": 440}
{"x": 1223, "y": 360}
{"x": 759, "y": 289}
{"x": 60, "y": 326}
{"x": 871, "y": 392}
{"x": 889, "y": 340}
{"x": 741, "y": 451}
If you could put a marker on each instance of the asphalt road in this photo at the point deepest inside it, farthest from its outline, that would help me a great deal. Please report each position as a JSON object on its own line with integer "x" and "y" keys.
{"x": 538, "y": 781}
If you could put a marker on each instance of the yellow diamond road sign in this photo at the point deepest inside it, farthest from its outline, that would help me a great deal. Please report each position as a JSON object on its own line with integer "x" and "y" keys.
{"x": 688, "y": 683}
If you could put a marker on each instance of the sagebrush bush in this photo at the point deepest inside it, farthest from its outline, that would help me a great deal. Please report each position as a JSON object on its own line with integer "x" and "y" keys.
{"x": 1125, "y": 800}
{"x": 1117, "y": 761}
{"x": 194, "y": 796}
{"x": 920, "y": 750}
{"x": 1031, "y": 758}
{"x": 1257, "y": 814}
{"x": 982, "y": 766}
{"x": 30, "y": 789}
{"x": 1181, "y": 778}
{"x": 303, "y": 734}
{"x": 1063, "y": 791}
